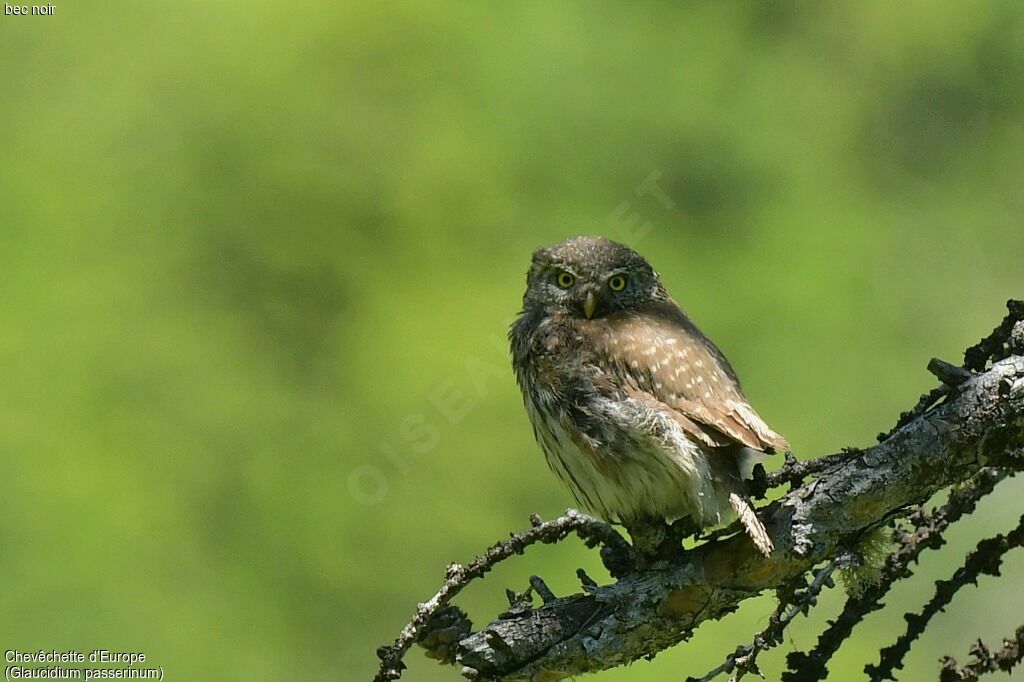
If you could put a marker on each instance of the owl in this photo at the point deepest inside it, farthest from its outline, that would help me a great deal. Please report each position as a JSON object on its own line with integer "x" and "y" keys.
{"x": 637, "y": 412}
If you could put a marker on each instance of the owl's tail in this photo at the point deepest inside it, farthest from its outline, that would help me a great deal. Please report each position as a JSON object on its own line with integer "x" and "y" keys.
{"x": 755, "y": 529}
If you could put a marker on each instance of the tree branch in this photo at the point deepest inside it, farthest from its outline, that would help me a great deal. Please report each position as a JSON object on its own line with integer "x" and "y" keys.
{"x": 949, "y": 436}
{"x": 984, "y": 660}
{"x": 458, "y": 576}
{"x": 986, "y": 559}
{"x": 927, "y": 534}
{"x": 744, "y": 659}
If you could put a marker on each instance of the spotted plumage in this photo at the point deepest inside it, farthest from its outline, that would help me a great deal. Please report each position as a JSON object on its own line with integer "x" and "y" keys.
{"x": 637, "y": 412}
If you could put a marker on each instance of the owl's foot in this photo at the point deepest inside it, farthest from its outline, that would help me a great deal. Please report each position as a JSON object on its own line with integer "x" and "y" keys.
{"x": 654, "y": 540}
{"x": 685, "y": 528}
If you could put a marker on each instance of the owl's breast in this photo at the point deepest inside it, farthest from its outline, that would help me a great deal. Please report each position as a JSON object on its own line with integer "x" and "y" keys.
{"x": 617, "y": 474}
{"x": 575, "y": 465}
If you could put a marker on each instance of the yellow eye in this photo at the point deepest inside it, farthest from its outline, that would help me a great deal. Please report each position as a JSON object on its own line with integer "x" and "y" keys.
{"x": 617, "y": 282}
{"x": 565, "y": 280}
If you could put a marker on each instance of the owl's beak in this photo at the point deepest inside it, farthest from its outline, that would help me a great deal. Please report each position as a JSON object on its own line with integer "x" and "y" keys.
{"x": 590, "y": 305}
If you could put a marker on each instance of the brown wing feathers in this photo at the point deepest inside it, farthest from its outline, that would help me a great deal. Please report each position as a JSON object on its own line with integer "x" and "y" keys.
{"x": 669, "y": 361}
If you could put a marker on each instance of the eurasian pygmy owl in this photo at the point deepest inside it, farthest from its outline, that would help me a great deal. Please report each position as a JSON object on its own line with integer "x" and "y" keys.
{"x": 637, "y": 412}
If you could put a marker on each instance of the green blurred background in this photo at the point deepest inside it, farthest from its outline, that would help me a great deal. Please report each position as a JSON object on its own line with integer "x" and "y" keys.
{"x": 257, "y": 260}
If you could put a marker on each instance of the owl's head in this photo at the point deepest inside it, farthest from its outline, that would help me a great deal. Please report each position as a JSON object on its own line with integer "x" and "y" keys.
{"x": 590, "y": 277}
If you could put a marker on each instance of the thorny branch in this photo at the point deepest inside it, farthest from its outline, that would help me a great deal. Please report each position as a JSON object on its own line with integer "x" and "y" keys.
{"x": 616, "y": 554}
{"x": 927, "y": 531}
{"x": 985, "y": 660}
{"x": 973, "y": 422}
{"x": 744, "y": 659}
{"x": 986, "y": 559}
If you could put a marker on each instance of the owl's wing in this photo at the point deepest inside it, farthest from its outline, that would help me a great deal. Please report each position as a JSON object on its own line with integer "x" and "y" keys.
{"x": 663, "y": 359}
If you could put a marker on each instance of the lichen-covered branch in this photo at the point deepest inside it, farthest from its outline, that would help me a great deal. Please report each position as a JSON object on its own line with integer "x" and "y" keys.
{"x": 799, "y": 600}
{"x": 927, "y": 533}
{"x": 986, "y": 559}
{"x": 975, "y": 421}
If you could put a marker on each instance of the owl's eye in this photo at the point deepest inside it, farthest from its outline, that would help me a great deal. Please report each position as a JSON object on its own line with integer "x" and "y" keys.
{"x": 617, "y": 282}
{"x": 565, "y": 279}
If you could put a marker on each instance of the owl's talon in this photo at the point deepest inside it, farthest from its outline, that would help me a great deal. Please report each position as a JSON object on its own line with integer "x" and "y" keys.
{"x": 685, "y": 528}
{"x": 653, "y": 541}
{"x": 619, "y": 560}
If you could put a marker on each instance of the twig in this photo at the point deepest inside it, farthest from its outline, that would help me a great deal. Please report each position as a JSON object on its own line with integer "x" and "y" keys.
{"x": 927, "y": 534}
{"x": 457, "y": 576}
{"x": 998, "y": 345}
{"x": 985, "y": 661}
{"x": 795, "y": 471}
{"x": 924, "y": 403}
{"x": 948, "y": 373}
{"x": 995, "y": 346}
{"x": 986, "y": 559}
{"x": 744, "y": 659}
